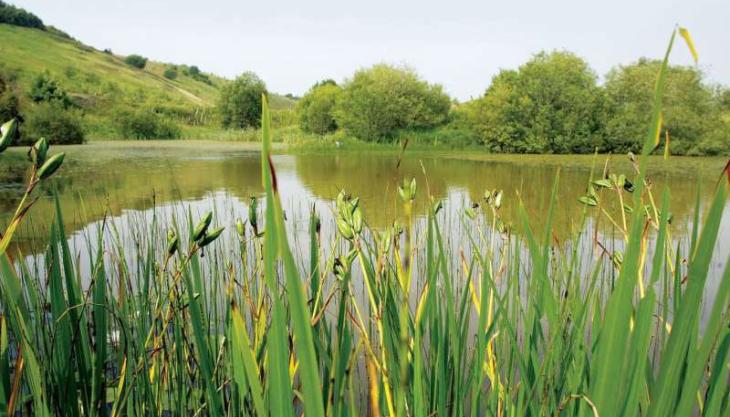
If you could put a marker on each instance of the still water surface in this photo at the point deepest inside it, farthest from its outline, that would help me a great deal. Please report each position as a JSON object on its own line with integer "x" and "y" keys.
{"x": 120, "y": 180}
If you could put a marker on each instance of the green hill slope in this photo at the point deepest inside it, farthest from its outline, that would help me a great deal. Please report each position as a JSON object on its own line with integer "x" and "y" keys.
{"x": 101, "y": 85}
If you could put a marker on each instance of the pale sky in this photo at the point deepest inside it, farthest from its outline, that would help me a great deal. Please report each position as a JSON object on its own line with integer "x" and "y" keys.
{"x": 460, "y": 44}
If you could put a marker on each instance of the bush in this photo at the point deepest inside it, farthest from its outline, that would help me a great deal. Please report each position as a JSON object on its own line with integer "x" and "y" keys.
{"x": 379, "y": 101}
{"x": 19, "y": 17}
{"x": 52, "y": 121}
{"x": 45, "y": 89}
{"x": 145, "y": 124}
{"x": 551, "y": 104}
{"x": 170, "y": 73}
{"x": 136, "y": 61}
{"x": 194, "y": 72}
{"x": 8, "y": 99}
{"x": 240, "y": 102}
{"x": 316, "y": 109}
{"x": 690, "y": 110}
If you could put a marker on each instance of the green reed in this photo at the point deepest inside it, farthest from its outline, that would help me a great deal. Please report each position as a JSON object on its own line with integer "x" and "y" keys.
{"x": 193, "y": 321}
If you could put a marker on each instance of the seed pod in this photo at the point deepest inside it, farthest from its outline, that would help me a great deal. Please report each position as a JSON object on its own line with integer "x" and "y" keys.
{"x": 357, "y": 220}
{"x": 7, "y": 134}
{"x": 497, "y": 199}
{"x": 341, "y": 197}
{"x": 340, "y": 267}
{"x": 345, "y": 229}
{"x": 51, "y": 166}
{"x": 210, "y": 237}
{"x": 202, "y": 226}
{"x": 39, "y": 151}
{"x": 172, "y": 242}
{"x": 240, "y": 228}
{"x": 629, "y": 186}
{"x": 252, "y": 220}
{"x": 413, "y": 188}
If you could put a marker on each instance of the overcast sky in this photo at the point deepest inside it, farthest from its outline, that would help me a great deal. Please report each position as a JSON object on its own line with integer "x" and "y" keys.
{"x": 461, "y": 44}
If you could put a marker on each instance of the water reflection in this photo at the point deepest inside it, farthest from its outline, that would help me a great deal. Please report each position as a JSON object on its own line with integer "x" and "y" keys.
{"x": 108, "y": 179}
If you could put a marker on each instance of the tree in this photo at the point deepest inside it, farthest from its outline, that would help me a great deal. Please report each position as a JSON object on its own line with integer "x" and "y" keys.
{"x": 690, "y": 111}
{"x": 240, "y": 101}
{"x": 19, "y": 17}
{"x": 52, "y": 121}
{"x": 551, "y": 104}
{"x": 8, "y": 99}
{"x": 316, "y": 109}
{"x": 136, "y": 61}
{"x": 46, "y": 89}
{"x": 379, "y": 101}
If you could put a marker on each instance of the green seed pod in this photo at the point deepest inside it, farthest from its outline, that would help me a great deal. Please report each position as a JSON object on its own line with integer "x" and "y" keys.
{"x": 402, "y": 193}
{"x": 210, "y": 237}
{"x": 497, "y": 199}
{"x": 7, "y": 134}
{"x": 241, "y": 228}
{"x": 172, "y": 242}
{"x": 357, "y": 220}
{"x": 345, "y": 229}
{"x": 341, "y": 198}
{"x": 340, "y": 267}
{"x": 39, "y": 151}
{"x": 252, "y": 220}
{"x": 412, "y": 189}
{"x": 51, "y": 166}
{"x": 202, "y": 226}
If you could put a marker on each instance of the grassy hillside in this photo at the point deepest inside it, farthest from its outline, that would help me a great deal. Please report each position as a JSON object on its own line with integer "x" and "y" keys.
{"x": 100, "y": 84}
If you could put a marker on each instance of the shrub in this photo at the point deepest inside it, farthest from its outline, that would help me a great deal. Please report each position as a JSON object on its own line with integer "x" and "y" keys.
{"x": 52, "y": 121}
{"x": 551, "y": 104}
{"x": 194, "y": 72}
{"x": 46, "y": 89}
{"x": 170, "y": 73}
{"x": 379, "y": 101}
{"x": 136, "y": 61}
{"x": 8, "y": 99}
{"x": 145, "y": 124}
{"x": 691, "y": 112}
{"x": 316, "y": 109}
{"x": 240, "y": 102}
{"x": 19, "y": 17}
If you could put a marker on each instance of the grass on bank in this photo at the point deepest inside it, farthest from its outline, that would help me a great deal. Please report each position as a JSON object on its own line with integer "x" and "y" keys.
{"x": 234, "y": 324}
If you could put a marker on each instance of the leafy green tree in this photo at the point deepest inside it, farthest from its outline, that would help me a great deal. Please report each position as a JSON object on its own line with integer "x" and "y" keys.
{"x": 45, "y": 88}
{"x": 240, "y": 101}
{"x": 379, "y": 101}
{"x": 551, "y": 104}
{"x": 8, "y": 99}
{"x": 145, "y": 124}
{"x": 52, "y": 121}
{"x": 136, "y": 61}
{"x": 19, "y": 17}
{"x": 316, "y": 109}
{"x": 690, "y": 111}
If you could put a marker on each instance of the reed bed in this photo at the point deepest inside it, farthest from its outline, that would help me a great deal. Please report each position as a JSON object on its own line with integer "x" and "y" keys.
{"x": 399, "y": 321}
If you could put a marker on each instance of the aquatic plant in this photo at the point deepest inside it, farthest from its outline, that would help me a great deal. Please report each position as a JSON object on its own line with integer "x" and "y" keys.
{"x": 392, "y": 321}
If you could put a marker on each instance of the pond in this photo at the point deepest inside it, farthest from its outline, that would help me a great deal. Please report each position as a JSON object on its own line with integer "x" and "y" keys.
{"x": 123, "y": 180}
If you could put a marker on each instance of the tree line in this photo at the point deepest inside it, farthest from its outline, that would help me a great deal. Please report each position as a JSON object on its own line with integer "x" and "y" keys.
{"x": 551, "y": 104}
